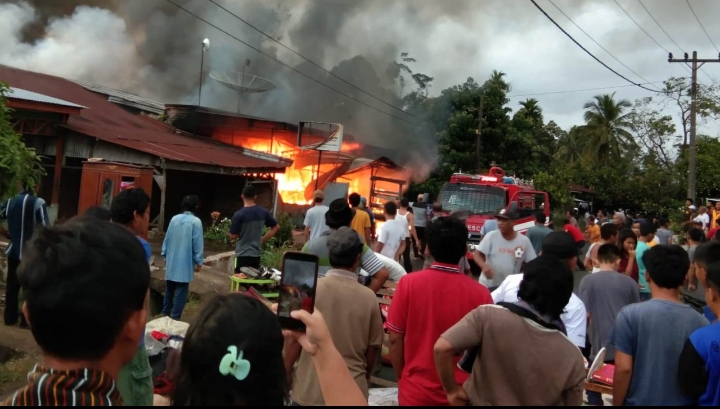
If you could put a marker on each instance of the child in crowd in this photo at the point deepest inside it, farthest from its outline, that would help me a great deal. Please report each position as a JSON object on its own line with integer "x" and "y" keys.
{"x": 649, "y": 336}
{"x": 705, "y": 255}
{"x": 604, "y": 294}
{"x": 699, "y": 372}
{"x": 86, "y": 288}
{"x": 627, "y": 242}
{"x": 647, "y": 235}
{"x": 233, "y": 356}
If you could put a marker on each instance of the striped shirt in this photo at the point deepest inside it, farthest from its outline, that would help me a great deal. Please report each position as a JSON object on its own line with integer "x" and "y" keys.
{"x": 80, "y": 387}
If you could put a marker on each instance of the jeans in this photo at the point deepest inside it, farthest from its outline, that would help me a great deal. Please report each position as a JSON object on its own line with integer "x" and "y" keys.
{"x": 595, "y": 399}
{"x": 12, "y": 293}
{"x": 581, "y": 246}
{"x": 175, "y": 299}
{"x": 406, "y": 256}
{"x": 135, "y": 381}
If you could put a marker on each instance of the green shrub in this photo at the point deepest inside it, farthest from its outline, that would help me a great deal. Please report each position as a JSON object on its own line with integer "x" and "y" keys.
{"x": 217, "y": 233}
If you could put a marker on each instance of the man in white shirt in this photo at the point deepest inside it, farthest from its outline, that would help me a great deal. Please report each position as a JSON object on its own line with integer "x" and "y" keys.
{"x": 391, "y": 241}
{"x": 704, "y": 218}
{"x": 315, "y": 217}
{"x": 395, "y": 270}
{"x": 559, "y": 245}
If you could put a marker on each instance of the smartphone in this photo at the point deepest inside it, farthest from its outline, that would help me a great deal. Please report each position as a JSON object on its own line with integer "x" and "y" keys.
{"x": 297, "y": 287}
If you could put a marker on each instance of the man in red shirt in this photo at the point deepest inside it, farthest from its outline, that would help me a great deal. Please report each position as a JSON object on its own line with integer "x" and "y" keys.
{"x": 579, "y": 238}
{"x": 426, "y": 304}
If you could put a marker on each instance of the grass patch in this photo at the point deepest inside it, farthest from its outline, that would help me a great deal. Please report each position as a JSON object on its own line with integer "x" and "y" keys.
{"x": 14, "y": 371}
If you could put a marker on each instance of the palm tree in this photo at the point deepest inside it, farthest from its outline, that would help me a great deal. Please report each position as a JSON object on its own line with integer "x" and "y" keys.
{"x": 531, "y": 109}
{"x": 569, "y": 146}
{"x": 606, "y": 133}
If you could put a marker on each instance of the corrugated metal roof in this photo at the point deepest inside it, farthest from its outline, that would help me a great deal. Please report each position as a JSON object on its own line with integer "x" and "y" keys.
{"x": 108, "y": 122}
{"x": 124, "y": 98}
{"x": 18, "y": 93}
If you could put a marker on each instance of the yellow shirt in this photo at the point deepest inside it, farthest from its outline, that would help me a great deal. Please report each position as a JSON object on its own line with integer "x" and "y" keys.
{"x": 714, "y": 215}
{"x": 594, "y": 233}
{"x": 360, "y": 222}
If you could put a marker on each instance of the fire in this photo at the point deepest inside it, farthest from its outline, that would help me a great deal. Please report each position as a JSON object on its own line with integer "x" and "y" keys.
{"x": 293, "y": 183}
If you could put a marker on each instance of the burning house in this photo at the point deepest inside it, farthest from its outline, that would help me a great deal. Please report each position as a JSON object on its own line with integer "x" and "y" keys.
{"x": 347, "y": 170}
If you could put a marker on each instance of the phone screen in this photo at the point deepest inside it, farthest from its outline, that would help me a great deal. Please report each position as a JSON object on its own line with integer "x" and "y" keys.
{"x": 297, "y": 289}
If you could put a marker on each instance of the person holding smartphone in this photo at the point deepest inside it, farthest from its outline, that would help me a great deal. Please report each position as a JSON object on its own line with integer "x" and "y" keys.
{"x": 356, "y": 331}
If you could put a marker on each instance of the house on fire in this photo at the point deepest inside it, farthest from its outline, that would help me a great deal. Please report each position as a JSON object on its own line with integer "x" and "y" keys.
{"x": 94, "y": 140}
{"x": 68, "y": 124}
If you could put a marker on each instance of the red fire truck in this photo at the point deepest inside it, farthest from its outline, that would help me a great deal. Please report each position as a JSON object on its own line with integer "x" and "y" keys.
{"x": 480, "y": 196}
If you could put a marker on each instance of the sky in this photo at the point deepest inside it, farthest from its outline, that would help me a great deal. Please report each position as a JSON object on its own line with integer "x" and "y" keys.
{"x": 150, "y": 48}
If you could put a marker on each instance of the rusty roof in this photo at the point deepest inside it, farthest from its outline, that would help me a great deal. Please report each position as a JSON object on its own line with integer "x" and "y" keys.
{"x": 110, "y": 123}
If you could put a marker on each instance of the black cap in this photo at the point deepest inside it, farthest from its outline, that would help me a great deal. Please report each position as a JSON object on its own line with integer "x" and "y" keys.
{"x": 509, "y": 214}
{"x": 559, "y": 244}
{"x": 339, "y": 213}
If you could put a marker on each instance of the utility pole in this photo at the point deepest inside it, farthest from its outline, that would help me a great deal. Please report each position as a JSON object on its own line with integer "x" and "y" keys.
{"x": 695, "y": 64}
{"x": 478, "y": 146}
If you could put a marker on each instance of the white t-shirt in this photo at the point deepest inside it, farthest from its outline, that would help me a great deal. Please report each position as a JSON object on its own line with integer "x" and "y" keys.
{"x": 391, "y": 235}
{"x": 704, "y": 219}
{"x": 315, "y": 220}
{"x": 588, "y": 256}
{"x": 395, "y": 270}
{"x": 574, "y": 317}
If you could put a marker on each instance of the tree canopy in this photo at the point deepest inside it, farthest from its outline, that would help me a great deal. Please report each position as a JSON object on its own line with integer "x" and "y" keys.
{"x": 629, "y": 153}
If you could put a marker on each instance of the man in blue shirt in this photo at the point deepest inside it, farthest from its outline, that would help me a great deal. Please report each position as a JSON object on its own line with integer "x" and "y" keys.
{"x": 131, "y": 209}
{"x": 183, "y": 253}
{"x": 247, "y": 227}
{"x": 647, "y": 234}
{"x": 699, "y": 369}
{"x": 23, "y": 212}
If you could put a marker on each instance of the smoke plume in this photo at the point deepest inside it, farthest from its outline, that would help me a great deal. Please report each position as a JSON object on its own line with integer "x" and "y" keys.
{"x": 153, "y": 49}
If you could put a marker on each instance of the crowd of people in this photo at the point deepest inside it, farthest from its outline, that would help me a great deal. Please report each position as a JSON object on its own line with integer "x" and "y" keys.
{"x": 515, "y": 336}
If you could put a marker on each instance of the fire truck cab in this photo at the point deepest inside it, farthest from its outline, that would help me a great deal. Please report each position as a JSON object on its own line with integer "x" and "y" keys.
{"x": 480, "y": 197}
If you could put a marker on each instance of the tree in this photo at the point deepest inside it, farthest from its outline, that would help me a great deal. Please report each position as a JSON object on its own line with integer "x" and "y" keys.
{"x": 606, "y": 132}
{"x": 570, "y": 146}
{"x": 654, "y": 131}
{"x": 422, "y": 81}
{"x": 677, "y": 93}
{"x": 531, "y": 109}
{"x": 708, "y": 167}
{"x": 19, "y": 165}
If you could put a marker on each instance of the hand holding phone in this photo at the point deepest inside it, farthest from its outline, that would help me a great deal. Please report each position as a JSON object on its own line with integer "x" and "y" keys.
{"x": 297, "y": 288}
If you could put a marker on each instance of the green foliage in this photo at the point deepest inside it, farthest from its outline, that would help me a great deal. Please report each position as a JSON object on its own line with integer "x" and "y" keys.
{"x": 555, "y": 182}
{"x": 272, "y": 257}
{"x": 19, "y": 165}
{"x": 218, "y": 233}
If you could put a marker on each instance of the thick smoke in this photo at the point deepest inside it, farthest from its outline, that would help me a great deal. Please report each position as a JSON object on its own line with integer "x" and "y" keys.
{"x": 152, "y": 48}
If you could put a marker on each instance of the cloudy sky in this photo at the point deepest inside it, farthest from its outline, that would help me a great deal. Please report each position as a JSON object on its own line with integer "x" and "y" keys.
{"x": 150, "y": 47}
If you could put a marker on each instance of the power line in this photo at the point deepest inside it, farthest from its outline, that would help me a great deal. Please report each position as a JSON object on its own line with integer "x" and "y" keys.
{"x": 581, "y": 90}
{"x": 309, "y": 60}
{"x": 646, "y": 33}
{"x": 701, "y": 25}
{"x": 286, "y": 65}
{"x": 588, "y": 52}
{"x": 668, "y": 35}
{"x": 598, "y": 44}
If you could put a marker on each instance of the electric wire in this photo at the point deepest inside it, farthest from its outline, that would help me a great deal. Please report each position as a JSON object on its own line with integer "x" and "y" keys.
{"x": 286, "y": 65}
{"x": 588, "y": 52}
{"x": 581, "y": 90}
{"x": 598, "y": 44}
{"x": 668, "y": 36}
{"x": 702, "y": 26}
{"x": 309, "y": 60}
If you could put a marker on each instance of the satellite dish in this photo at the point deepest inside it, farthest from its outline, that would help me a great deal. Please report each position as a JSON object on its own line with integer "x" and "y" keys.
{"x": 242, "y": 82}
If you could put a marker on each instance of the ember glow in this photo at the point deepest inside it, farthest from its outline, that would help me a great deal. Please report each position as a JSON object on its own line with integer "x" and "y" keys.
{"x": 293, "y": 184}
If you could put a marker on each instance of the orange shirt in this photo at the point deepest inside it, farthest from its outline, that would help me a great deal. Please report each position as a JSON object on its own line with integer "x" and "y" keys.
{"x": 593, "y": 233}
{"x": 714, "y": 215}
{"x": 360, "y": 222}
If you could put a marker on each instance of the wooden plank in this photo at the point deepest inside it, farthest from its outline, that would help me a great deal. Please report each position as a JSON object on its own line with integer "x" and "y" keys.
{"x": 386, "y": 291}
{"x": 384, "y": 301}
{"x": 390, "y": 284}
{"x": 382, "y": 382}
{"x": 599, "y": 388}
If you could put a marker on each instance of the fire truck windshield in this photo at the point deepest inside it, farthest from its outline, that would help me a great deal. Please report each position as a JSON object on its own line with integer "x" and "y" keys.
{"x": 475, "y": 199}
